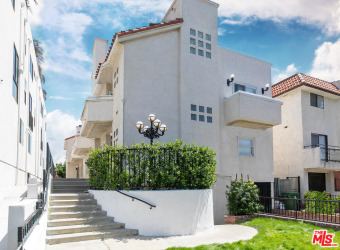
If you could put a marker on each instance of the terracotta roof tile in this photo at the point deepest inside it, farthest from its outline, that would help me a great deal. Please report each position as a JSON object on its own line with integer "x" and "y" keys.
{"x": 300, "y": 79}
{"x": 70, "y": 138}
{"x": 132, "y": 31}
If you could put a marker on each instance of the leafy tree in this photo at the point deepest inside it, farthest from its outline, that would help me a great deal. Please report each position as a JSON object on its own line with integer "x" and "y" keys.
{"x": 61, "y": 169}
{"x": 243, "y": 197}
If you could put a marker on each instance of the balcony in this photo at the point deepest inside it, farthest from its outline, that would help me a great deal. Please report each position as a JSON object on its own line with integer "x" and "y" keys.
{"x": 97, "y": 116}
{"x": 322, "y": 157}
{"x": 82, "y": 145}
{"x": 248, "y": 110}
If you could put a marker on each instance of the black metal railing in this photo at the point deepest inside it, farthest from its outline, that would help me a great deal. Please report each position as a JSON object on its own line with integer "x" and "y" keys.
{"x": 314, "y": 210}
{"x": 327, "y": 152}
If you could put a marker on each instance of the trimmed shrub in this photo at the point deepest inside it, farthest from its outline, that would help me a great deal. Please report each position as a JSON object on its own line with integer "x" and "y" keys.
{"x": 243, "y": 198}
{"x": 173, "y": 165}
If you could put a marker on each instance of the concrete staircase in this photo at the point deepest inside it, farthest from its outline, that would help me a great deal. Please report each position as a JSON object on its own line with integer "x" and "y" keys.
{"x": 76, "y": 216}
{"x": 62, "y": 185}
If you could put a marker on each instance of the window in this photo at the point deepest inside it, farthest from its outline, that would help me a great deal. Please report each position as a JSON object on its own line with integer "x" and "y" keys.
{"x": 31, "y": 67}
{"x": 208, "y": 55}
{"x": 200, "y": 43}
{"x": 240, "y": 87}
{"x": 201, "y": 109}
{"x": 200, "y": 52}
{"x": 316, "y": 101}
{"x": 207, "y": 37}
{"x": 13, "y": 4}
{"x": 15, "y": 74}
{"x": 193, "y": 107}
{"x": 30, "y": 116}
{"x": 192, "y": 50}
{"x": 29, "y": 143}
{"x": 200, "y": 34}
{"x": 322, "y": 142}
{"x": 208, "y": 46}
{"x": 201, "y": 118}
{"x": 192, "y": 41}
{"x": 245, "y": 147}
{"x": 336, "y": 180}
{"x": 192, "y": 32}
{"x": 193, "y": 117}
{"x": 21, "y": 138}
{"x": 209, "y": 119}
{"x": 117, "y": 132}
{"x": 25, "y": 92}
{"x": 209, "y": 110}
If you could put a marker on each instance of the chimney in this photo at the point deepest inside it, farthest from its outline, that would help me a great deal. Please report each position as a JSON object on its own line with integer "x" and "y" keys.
{"x": 336, "y": 84}
{"x": 78, "y": 128}
{"x": 99, "y": 52}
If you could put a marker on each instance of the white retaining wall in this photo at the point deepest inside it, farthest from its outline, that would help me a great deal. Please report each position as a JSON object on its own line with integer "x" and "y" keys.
{"x": 177, "y": 212}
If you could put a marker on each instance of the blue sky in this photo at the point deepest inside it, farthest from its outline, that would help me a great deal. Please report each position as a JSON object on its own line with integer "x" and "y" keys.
{"x": 294, "y": 35}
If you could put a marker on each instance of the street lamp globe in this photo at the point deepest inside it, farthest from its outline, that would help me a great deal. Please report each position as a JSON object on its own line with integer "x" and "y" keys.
{"x": 157, "y": 123}
{"x": 146, "y": 128}
{"x": 139, "y": 125}
{"x": 151, "y": 117}
{"x": 163, "y": 128}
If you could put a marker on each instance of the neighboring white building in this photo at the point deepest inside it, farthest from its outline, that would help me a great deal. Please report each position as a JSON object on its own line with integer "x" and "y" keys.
{"x": 177, "y": 71}
{"x": 22, "y": 106}
{"x": 307, "y": 143}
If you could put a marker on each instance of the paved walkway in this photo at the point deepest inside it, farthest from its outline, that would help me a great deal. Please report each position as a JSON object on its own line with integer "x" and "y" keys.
{"x": 221, "y": 234}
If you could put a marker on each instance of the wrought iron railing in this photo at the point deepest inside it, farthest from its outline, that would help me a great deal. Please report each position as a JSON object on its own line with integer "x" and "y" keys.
{"x": 327, "y": 152}
{"x": 305, "y": 209}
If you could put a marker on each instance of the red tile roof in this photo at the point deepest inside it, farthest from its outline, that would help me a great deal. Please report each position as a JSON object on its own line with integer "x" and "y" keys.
{"x": 300, "y": 79}
{"x": 70, "y": 138}
{"x": 132, "y": 31}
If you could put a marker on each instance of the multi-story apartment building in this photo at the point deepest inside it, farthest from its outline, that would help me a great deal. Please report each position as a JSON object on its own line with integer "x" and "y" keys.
{"x": 22, "y": 106}
{"x": 177, "y": 71}
{"x": 307, "y": 143}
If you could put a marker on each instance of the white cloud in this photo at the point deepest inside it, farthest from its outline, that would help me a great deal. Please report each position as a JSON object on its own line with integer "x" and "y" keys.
{"x": 326, "y": 64}
{"x": 280, "y": 75}
{"x": 59, "y": 126}
{"x": 321, "y": 13}
{"x": 60, "y": 98}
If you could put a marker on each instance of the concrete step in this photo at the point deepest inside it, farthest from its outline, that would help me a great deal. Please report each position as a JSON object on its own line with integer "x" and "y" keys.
{"x": 102, "y": 234}
{"x": 67, "y": 191}
{"x": 78, "y": 221}
{"x": 73, "y": 202}
{"x": 70, "y": 187}
{"x": 75, "y": 208}
{"x": 69, "y": 179}
{"x": 84, "y": 228}
{"x": 71, "y": 196}
{"x": 71, "y": 183}
{"x": 83, "y": 214}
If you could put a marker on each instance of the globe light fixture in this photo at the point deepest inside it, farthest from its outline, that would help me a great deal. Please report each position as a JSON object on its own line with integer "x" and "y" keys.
{"x": 154, "y": 131}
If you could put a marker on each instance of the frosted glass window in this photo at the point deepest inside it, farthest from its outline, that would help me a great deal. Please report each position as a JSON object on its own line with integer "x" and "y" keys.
{"x": 245, "y": 146}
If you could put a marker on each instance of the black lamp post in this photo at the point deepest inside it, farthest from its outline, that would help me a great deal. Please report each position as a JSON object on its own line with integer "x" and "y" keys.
{"x": 155, "y": 130}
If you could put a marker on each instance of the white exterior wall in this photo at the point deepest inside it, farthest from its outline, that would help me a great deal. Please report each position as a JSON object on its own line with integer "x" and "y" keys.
{"x": 15, "y": 161}
{"x": 177, "y": 212}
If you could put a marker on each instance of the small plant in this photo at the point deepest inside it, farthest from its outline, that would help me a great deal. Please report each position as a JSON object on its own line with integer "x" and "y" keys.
{"x": 243, "y": 198}
{"x": 320, "y": 202}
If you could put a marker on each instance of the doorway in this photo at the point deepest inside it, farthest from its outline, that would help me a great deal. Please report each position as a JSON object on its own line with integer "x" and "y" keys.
{"x": 317, "y": 182}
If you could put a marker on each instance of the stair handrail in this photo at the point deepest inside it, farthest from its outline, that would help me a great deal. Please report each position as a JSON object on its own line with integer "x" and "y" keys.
{"x": 130, "y": 196}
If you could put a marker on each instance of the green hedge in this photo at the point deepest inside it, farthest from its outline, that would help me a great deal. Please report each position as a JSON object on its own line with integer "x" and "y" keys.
{"x": 320, "y": 203}
{"x": 174, "y": 165}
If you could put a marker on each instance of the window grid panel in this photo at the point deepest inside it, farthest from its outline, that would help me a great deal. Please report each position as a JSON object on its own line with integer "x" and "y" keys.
{"x": 193, "y": 117}
{"x": 200, "y": 43}
{"x": 208, "y": 46}
{"x": 193, "y": 50}
{"x": 207, "y": 37}
{"x": 201, "y": 118}
{"x": 209, "y": 110}
{"x": 201, "y": 109}
{"x": 200, "y": 52}
{"x": 200, "y": 34}
{"x": 192, "y": 32}
{"x": 246, "y": 147}
{"x": 208, "y": 55}
{"x": 193, "y": 107}
{"x": 192, "y": 41}
{"x": 209, "y": 119}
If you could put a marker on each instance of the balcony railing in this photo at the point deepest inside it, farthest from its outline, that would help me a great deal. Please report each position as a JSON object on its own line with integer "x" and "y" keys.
{"x": 327, "y": 152}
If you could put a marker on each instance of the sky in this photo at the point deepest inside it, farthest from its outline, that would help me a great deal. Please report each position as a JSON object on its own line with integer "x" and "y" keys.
{"x": 294, "y": 35}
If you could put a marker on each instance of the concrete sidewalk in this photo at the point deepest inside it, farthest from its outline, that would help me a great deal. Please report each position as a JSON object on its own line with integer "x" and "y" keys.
{"x": 221, "y": 234}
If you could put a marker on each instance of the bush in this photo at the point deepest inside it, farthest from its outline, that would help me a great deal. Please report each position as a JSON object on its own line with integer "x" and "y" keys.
{"x": 60, "y": 169}
{"x": 243, "y": 198}
{"x": 174, "y": 165}
{"x": 320, "y": 203}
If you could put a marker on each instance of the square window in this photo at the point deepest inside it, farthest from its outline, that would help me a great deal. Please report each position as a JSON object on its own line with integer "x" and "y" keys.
{"x": 316, "y": 101}
{"x": 200, "y": 43}
{"x": 200, "y": 52}
{"x": 209, "y": 119}
{"x": 200, "y": 34}
{"x": 192, "y": 50}
{"x": 201, "y": 118}
{"x": 245, "y": 147}
{"x": 207, "y": 37}
{"x": 193, "y": 117}
{"x": 201, "y": 109}
{"x": 193, "y": 107}
{"x": 192, "y": 41}
{"x": 209, "y": 110}
{"x": 192, "y": 32}
{"x": 208, "y": 46}
{"x": 208, "y": 55}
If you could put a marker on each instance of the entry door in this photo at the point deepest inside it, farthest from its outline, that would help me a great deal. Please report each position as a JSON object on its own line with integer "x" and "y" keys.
{"x": 322, "y": 142}
{"x": 317, "y": 182}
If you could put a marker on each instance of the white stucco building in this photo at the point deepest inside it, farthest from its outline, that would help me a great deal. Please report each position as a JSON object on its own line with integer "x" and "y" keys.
{"x": 177, "y": 71}
{"x": 307, "y": 143}
{"x": 22, "y": 106}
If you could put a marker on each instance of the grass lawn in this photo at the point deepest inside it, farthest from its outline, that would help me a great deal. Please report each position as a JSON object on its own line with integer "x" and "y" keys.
{"x": 274, "y": 234}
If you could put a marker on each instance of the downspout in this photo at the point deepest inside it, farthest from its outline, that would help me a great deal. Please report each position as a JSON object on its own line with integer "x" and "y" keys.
{"x": 21, "y": 70}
